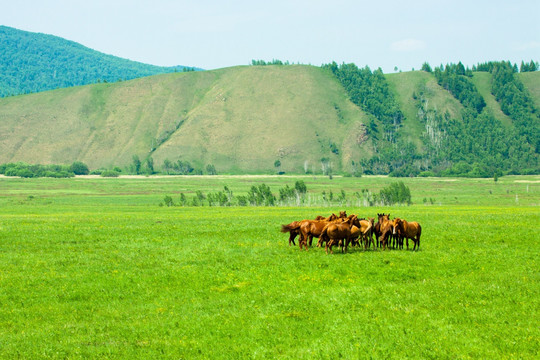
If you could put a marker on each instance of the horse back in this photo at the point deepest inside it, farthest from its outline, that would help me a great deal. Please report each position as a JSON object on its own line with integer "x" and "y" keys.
{"x": 314, "y": 227}
{"x": 412, "y": 228}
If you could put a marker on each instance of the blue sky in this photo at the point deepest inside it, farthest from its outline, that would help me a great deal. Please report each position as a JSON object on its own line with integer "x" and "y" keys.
{"x": 217, "y": 34}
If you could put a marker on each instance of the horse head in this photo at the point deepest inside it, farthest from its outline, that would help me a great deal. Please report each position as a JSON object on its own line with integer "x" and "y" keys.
{"x": 332, "y": 217}
{"x": 398, "y": 223}
{"x": 355, "y": 221}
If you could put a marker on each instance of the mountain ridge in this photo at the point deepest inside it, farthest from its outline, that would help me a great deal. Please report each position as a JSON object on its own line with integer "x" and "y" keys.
{"x": 32, "y": 62}
{"x": 241, "y": 120}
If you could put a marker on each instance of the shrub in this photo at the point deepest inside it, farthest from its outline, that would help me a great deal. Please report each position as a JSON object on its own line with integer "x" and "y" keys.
{"x": 79, "y": 168}
{"x": 168, "y": 201}
{"x": 109, "y": 173}
{"x": 395, "y": 193}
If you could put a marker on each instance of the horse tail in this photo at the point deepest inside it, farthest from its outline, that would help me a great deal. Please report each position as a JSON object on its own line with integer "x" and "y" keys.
{"x": 292, "y": 226}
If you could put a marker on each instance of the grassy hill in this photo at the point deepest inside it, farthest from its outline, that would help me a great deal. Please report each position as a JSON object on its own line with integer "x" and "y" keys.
{"x": 239, "y": 119}
{"x": 32, "y": 62}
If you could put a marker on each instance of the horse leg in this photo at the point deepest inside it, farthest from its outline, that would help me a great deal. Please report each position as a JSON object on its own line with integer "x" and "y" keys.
{"x": 291, "y": 238}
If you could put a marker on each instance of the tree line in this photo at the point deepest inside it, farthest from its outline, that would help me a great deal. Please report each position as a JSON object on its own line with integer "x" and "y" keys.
{"x": 25, "y": 170}
{"x": 262, "y": 195}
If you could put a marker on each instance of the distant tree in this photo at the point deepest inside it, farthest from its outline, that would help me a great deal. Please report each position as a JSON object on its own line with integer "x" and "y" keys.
{"x": 426, "y": 67}
{"x": 136, "y": 164}
{"x": 395, "y": 193}
{"x": 79, "y": 168}
{"x": 150, "y": 165}
{"x": 300, "y": 187}
{"x": 460, "y": 69}
{"x": 183, "y": 200}
{"x": 211, "y": 169}
{"x": 528, "y": 67}
{"x": 261, "y": 195}
{"x": 182, "y": 167}
{"x": 168, "y": 200}
{"x": 167, "y": 165}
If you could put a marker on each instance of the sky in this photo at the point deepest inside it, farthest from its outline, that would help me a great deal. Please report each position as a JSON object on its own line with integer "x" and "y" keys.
{"x": 211, "y": 34}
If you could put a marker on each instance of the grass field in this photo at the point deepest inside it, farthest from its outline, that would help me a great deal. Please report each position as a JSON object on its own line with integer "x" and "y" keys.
{"x": 95, "y": 268}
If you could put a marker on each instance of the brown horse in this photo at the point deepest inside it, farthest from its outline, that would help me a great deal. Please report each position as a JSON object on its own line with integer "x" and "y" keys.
{"x": 338, "y": 220}
{"x": 377, "y": 228}
{"x": 397, "y": 235}
{"x": 313, "y": 228}
{"x": 409, "y": 230}
{"x": 366, "y": 231}
{"x": 386, "y": 228}
{"x": 339, "y": 233}
{"x": 294, "y": 228}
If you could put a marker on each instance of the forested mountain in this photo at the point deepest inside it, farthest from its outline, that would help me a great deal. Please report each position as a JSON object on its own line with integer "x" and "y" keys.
{"x": 32, "y": 62}
{"x": 466, "y": 140}
{"x": 449, "y": 120}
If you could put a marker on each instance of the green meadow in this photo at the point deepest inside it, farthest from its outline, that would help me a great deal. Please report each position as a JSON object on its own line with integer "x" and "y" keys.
{"x": 96, "y": 268}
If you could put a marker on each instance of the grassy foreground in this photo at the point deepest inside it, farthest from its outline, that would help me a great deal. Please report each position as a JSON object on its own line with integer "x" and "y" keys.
{"x": 95, "y": 268}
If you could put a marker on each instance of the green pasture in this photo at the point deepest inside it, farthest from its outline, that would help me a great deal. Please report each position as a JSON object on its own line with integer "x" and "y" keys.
{"x": 95, "y": 268}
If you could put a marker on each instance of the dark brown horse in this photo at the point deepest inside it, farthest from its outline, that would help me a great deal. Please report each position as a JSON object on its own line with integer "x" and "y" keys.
{"x": 339, "y": 233}
{"x": 409, "y": 230}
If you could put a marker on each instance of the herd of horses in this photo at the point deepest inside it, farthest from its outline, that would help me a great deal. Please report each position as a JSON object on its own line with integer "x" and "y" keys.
{"x": 343, "y": 230}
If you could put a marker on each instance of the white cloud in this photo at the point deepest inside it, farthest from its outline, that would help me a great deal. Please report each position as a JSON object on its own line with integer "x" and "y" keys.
{"x": 406, "y": 45}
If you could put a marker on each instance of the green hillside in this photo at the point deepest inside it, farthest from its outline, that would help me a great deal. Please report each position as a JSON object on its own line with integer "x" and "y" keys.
{"x": 239, "y": 119}
{"x": 244, "y": 119}
{"x": 32, "y": 62}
